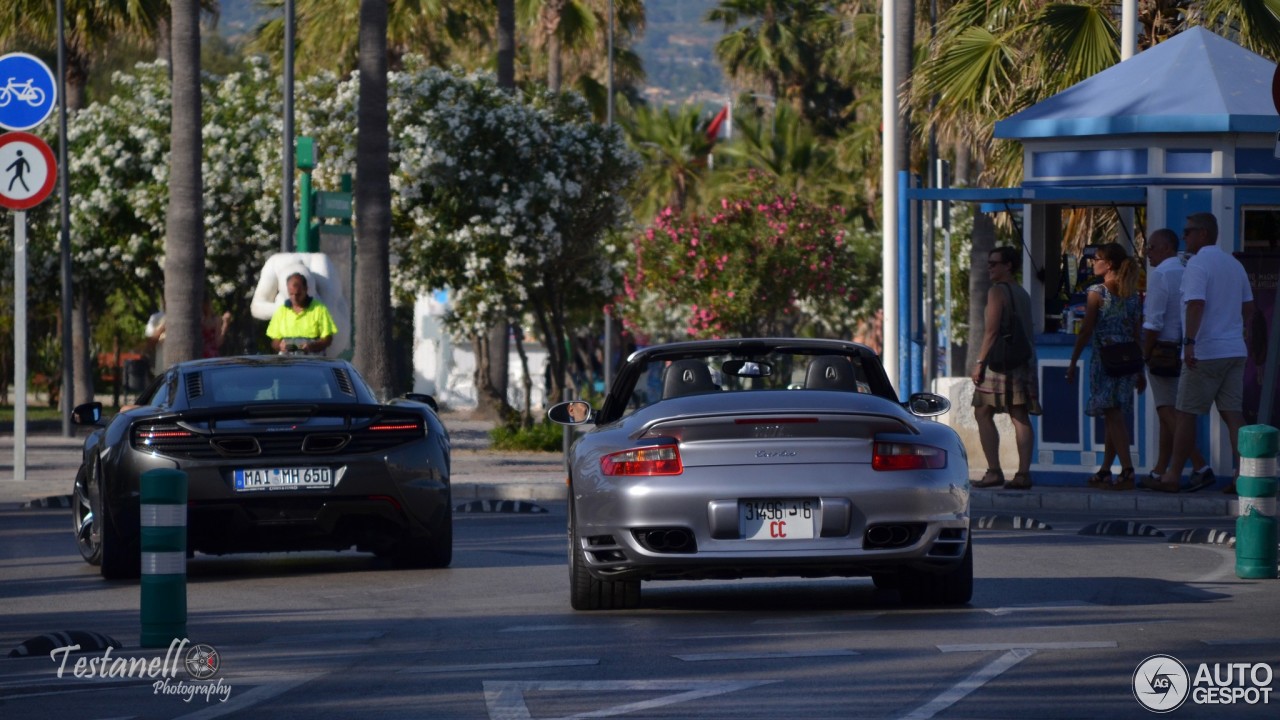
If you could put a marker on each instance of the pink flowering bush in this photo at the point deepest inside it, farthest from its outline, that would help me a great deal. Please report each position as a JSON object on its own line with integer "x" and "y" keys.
{"x": 764, "y": 264}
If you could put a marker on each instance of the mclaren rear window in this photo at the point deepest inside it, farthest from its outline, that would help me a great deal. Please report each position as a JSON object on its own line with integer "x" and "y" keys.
{"x": 278, "y": 383}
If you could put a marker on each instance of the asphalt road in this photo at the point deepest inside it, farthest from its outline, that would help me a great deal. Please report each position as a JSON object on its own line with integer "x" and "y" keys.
{"x": 1058, "y": 625}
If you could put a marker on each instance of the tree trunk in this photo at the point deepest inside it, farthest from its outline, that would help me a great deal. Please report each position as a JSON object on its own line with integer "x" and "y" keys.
{"x": 184, "y": 241}
{"x": 81, "y": 350}
{"x": 373, "y": 205}
{"x": 553, "y": 10}
{"x": 164, "y": 40}
{"x": 983, "y": 242}
{"x": 902, "y": 61}
{"x": 506, "y": 44}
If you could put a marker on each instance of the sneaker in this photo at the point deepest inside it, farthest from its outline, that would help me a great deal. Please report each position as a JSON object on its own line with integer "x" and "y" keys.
{"x": 1201, "y": 479}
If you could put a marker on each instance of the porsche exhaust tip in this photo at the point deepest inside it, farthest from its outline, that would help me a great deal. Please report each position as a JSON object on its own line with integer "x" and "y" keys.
{"x": 666, "y": 540}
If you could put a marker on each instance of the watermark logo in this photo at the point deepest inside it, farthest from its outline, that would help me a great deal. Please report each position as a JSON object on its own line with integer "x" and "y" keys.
{"x": 1160, "y": 683}
{"x": 200, "y": 663}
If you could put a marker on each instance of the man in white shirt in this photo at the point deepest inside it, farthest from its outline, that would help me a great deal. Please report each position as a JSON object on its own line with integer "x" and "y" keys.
{"x": 1218, "y": 305}
{"x": 1162, "y": 323}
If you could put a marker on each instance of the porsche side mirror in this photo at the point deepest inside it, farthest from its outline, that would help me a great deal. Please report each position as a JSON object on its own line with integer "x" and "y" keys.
{"x": 573, "y": 412}
{"x": 927, "y": 404}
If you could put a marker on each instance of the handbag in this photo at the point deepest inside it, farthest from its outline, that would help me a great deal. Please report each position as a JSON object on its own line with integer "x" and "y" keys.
{"x": 1121, "y": 359}
{"x": 1166, "y": 359}
{"x": 1011, "y": 349}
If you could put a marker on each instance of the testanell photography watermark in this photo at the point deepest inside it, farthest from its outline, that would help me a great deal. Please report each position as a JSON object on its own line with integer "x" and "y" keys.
{"x": 198, "y": 664}
{"x": 1162, "y": 684}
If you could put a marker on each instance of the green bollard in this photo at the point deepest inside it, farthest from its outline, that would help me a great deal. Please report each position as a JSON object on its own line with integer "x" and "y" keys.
{"x": 1256, "y": 489}
{"x": 163, "y": 497}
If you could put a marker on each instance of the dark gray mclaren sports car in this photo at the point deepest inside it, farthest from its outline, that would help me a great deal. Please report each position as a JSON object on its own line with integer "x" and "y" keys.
{"x": 281, "y": 453}
{"x": 764, "y": 457}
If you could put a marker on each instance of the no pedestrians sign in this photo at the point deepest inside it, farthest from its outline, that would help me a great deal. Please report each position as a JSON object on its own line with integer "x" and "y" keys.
{"x": 27, "y": 170}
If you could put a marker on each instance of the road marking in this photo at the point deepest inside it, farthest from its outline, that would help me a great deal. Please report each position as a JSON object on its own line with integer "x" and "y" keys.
{"x": 968, "y": 685}
{"x": 239, "y": 703}
{"x": 1274, "y": 642}
{"x": 704, "y": 657}
{"x": 557, "y": 628}
{"x": 988, "y": 647}
{"x": 506, "y": 700}
{"x": 1040, "y": 607}
{"x": 499, "y": 666}
{"x": 333, "y": 637}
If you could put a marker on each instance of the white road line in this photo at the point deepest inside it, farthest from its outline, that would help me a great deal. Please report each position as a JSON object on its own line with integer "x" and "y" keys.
{"x": 1041, "y": 607}
{"x": 704, "y": 657}
{"x": 242, "y": 702}
{"x": 558, "y": 628}
{"x": 988, "y": 647}
{"x": 1273, "y": 642}
{"x": 499, "y": 666}
{"x": 505, "y": 700}
{"x": 969, "y": 684}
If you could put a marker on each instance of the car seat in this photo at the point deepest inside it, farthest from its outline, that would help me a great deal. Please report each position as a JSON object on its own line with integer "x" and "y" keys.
{"x": 687, "y": 377}
{"x": 831, "y": 372}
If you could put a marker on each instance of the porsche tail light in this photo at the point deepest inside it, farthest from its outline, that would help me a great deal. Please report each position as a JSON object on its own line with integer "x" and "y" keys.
{"x": 905, "y": 456}
{"x": 656, "y": 460}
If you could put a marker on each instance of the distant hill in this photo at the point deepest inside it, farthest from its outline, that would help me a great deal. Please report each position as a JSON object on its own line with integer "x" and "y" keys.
{"x": 678, "y": 47}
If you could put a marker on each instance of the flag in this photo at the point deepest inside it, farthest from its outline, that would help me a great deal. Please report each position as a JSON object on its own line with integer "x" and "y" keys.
{"x": 713, "y": 129}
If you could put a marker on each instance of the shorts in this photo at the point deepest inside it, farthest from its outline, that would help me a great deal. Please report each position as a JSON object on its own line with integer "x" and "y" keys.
{"x": 1164, "y": 390}
{"x": 1219, "y": 381}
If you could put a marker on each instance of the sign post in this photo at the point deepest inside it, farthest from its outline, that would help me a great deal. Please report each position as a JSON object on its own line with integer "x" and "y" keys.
{"x": 27, "y": 175}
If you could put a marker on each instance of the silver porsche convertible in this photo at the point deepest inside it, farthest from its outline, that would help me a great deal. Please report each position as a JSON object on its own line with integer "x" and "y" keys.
{"x": 725, "y": 459}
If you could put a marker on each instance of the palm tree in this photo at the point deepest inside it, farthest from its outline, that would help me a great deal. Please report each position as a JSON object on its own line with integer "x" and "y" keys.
{"x": 785, "y": 149}
{"x": 674, "y": 146}
{"x": 184, "y": 240}
{"x": 773, "y": 42}
{"x": 327, "y": 35}
{"x": 373, "y": 204}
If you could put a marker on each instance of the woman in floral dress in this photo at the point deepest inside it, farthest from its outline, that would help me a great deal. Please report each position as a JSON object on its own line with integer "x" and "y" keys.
{"x": 1113, "y": 315}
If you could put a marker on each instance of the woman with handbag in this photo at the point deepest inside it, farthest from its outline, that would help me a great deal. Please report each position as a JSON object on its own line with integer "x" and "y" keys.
{"x": 1112, "y": 324}
{"x": 1005, "y": 376}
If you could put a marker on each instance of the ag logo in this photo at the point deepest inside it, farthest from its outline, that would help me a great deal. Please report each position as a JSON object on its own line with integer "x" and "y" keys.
{"x": 1161, "y": 683}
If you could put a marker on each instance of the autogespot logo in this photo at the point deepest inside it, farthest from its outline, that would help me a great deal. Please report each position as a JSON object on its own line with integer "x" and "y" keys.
{"x": 1161, "y": 683}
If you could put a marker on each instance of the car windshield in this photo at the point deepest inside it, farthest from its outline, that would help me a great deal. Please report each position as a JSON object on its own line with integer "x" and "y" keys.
{"x": 277, "y": 383}
{"x": 663, "y": 379}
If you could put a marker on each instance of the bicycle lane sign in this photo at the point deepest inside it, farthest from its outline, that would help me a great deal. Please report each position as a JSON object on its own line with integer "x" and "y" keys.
{"x": 28, "y": 91}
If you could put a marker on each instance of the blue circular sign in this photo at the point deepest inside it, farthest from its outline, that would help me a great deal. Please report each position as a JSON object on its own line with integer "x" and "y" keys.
{"x": 28, "y": 91}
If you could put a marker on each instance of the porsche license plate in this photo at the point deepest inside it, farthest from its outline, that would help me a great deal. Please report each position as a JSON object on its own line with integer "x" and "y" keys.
{"x": 290, "y": 478}
{"x": 777, "y": 518}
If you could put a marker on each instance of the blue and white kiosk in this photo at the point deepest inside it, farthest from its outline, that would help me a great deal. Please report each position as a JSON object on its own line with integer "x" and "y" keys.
{"x": 1186, "y": 126}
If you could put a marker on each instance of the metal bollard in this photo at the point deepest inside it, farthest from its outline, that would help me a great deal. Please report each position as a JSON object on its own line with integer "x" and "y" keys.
{"x": 163, "y": 496}
{"x": 1256, "y": 489}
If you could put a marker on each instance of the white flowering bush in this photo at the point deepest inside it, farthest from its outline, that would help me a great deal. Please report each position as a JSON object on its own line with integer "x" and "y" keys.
{"x": 507, "y": 199}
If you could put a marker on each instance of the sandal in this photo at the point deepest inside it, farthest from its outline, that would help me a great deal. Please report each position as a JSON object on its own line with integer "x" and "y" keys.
{"x": 1100, "y": 479}
{"x": 1124, "y": 482}
{"x": 992, "y": 478}
{"x": 1020, "y": 481}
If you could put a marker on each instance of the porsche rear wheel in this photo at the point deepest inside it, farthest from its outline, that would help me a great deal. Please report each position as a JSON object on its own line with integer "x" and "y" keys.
{"x": 588, "y": 593}
{"x": 953, "y": 587}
